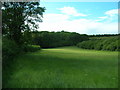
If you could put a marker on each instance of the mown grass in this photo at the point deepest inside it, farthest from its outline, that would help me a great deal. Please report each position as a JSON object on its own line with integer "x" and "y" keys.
{"x": 67, "y": 67}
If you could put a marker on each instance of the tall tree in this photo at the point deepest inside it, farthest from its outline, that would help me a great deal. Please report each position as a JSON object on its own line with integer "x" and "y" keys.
{"x": 19, "y": 17}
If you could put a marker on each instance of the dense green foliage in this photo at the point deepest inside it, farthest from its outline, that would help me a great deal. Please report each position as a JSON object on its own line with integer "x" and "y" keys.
{"x": 103, "y": 35}
{"x": 101, "y": 43}
{"x": 31, "y": 48}
{"x": 67, "y": 67}
{"x": 9, "y": 50}
{"x": 56, "y": 39}
{"x": 19, "y": 17}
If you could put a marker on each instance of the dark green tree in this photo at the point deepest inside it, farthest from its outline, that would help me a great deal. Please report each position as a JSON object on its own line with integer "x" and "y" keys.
{"x": 19, "y": 17}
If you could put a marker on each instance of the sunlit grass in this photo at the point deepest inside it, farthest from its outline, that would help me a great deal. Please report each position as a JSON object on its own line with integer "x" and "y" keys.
{"x": 67, "y": 67}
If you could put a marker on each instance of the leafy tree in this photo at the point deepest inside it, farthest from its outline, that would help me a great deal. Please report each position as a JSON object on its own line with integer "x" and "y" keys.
{"x": 19, "y": 17}
{"x": 18, "y": 20}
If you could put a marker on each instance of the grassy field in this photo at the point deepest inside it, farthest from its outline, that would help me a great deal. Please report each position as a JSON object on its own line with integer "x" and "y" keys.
{"x": 67, "y": 67}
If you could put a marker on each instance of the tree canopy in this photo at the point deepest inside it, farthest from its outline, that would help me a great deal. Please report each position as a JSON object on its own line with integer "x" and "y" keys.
{"x": 19, "y": 17}
{"x": 56, "y": 39}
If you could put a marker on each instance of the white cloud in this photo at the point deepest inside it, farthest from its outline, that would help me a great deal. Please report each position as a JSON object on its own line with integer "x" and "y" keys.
{"x": 112, "y": 12}
{"x": 55, "y": 18}
{"x": 103, "y": 17}
{"x": 110, "y": 15}
{"x": 71, "y": 11}
{"x": 58, "y": 22}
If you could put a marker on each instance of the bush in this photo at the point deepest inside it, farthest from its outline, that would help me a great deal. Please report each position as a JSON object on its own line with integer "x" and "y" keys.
{"x": 31, "y": 48}
{"x": 9, "y": 50}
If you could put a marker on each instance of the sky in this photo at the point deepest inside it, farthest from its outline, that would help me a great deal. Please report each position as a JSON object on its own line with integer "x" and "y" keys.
{"x": 81, "y": 17}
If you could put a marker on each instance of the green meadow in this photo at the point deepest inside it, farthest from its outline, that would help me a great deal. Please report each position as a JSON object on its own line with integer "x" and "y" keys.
{"x": 65, "y": 67}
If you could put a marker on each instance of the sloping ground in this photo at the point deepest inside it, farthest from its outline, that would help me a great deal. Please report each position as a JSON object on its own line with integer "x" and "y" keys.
{"x": 67, "y": 67}
{"x": 101, "y": 43}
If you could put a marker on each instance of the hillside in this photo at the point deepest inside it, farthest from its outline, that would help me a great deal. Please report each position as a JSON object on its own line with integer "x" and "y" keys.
{"x": 101, "y": 43}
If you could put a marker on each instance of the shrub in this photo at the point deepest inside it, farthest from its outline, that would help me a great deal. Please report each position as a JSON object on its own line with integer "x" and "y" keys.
{"x": 31, "y": 48}
{"x": 9, "y": 50}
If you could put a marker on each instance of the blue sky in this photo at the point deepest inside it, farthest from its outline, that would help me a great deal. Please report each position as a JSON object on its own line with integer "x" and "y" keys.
{"x": 81, "y": 17}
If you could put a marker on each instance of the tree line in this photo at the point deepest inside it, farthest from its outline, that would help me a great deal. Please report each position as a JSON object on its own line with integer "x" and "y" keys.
{"x": 57, "y": 39}
{"x": 103, "y": 35}
{"x": 107, "y": 43}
